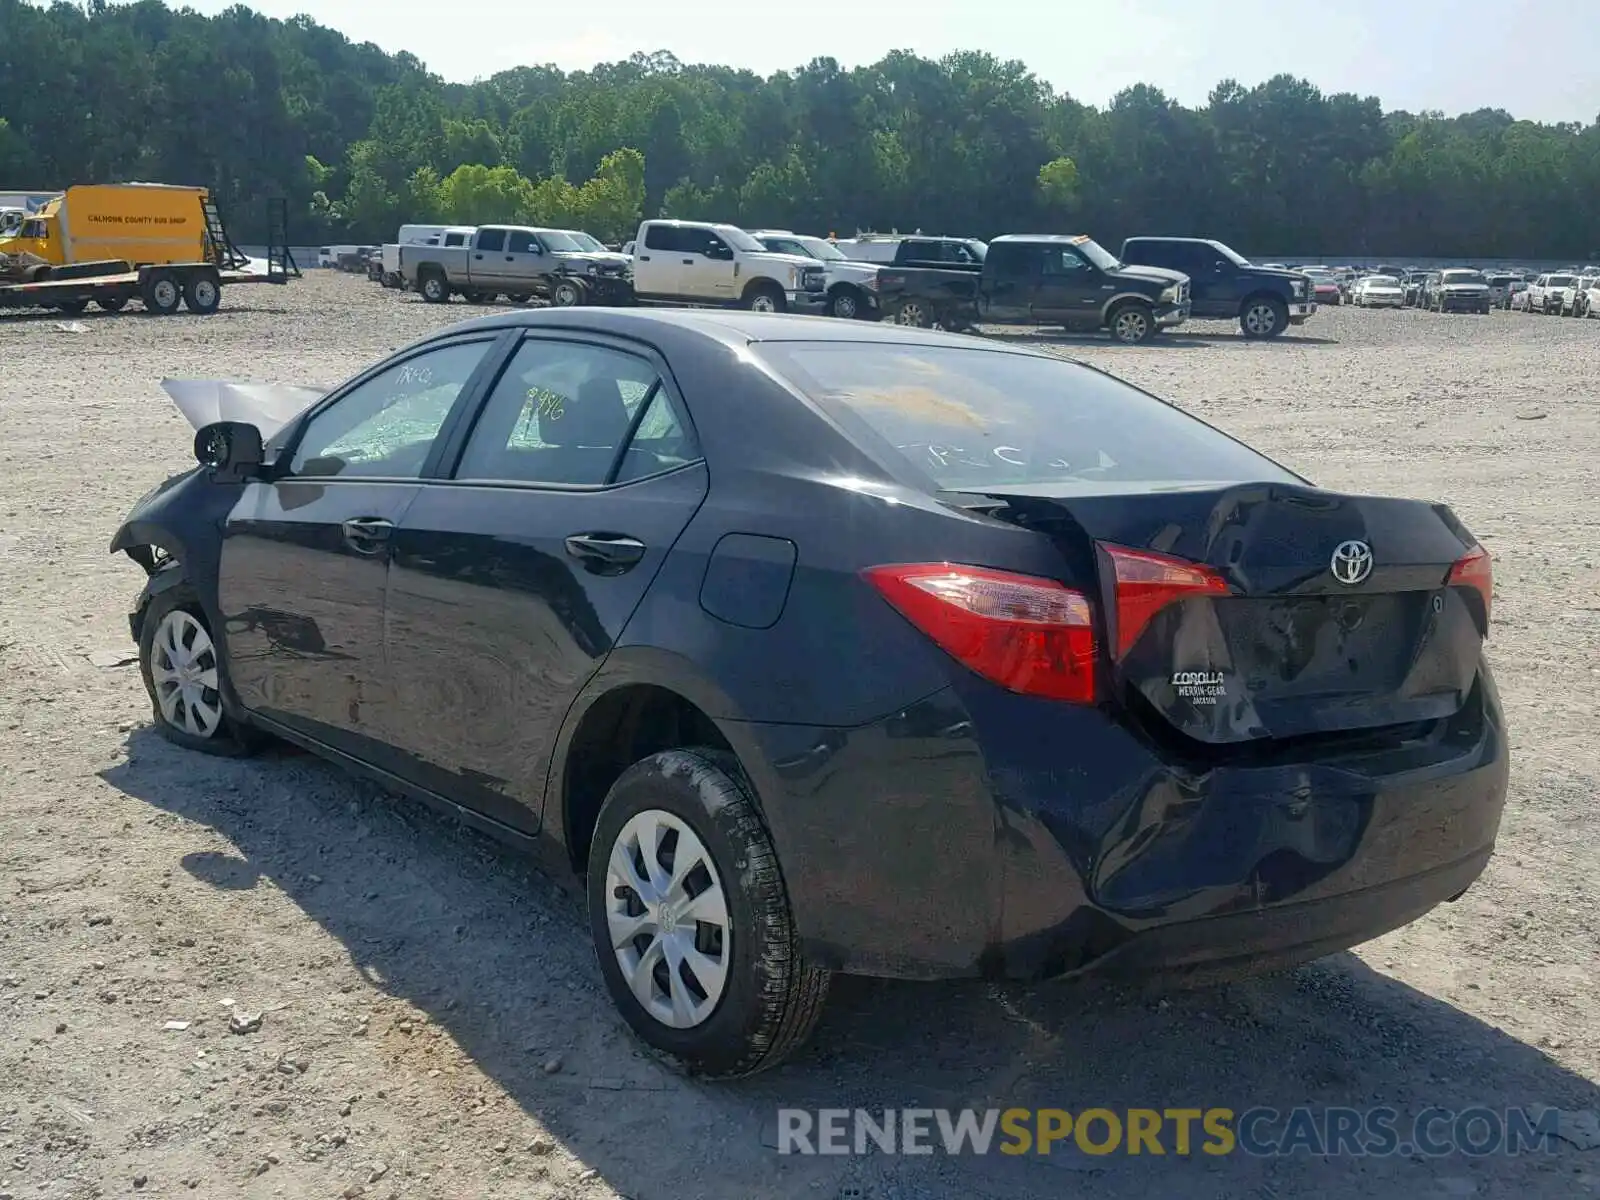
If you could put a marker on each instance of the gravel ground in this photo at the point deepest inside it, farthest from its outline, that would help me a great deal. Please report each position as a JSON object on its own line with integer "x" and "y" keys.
{"x": 433, "y": 1024}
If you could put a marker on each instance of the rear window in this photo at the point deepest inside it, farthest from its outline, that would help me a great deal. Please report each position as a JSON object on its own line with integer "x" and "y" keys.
{"x": 979, "y": 420}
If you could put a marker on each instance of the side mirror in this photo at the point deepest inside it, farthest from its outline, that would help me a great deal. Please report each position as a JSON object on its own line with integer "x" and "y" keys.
{"x": 230, "y": 448}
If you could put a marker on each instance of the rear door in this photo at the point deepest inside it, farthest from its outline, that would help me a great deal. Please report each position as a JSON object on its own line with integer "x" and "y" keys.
{"x": 487, "y": 266}
{"x": 1010, "y": 278}
{"x": 513, "y": 579}
{"x": 662, "y": 269}
{"x": 1070, "y": 292}
{"x": 305, "y": 557}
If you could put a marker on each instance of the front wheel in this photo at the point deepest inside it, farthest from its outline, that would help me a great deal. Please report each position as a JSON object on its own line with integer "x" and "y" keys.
{"x": 1131, "y": 323}
{"x": 568, "y": 293}
{"x": 183, "y": 673}
{"x": 765, "y": 300}
{"x": 1265, "y": 317}
{"x": 691, "y": 919}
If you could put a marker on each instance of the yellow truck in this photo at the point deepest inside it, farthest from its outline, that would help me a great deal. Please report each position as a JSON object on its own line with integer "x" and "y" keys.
{"x": 108, "y": 244}
{"x": 136, "y": 223}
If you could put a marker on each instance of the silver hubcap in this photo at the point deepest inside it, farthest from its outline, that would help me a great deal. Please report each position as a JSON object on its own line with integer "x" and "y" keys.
{"x": 183, "y": 667}
{"x": 166, "y": 293}
{"x": 844, "y": 306}
{"x": 668, "y": 919}
{"x": 566, "y": 296}
{"x": 1260, "y": 319}
{"x": 1131, "y": 326}
{"x": 205, "y": 293}
{"x": 433, "y": 289}
{"x": 763, "y": 304}
{"x": 911, "y": 314}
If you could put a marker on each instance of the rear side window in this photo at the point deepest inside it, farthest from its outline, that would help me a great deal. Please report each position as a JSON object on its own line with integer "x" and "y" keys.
{"x": 561, "y": 412}
{"x": 978, "y": 420}
{"x": 491, "y": 239}
{"x": 662, "y": 237}
{"x": 1152, "y": 254}
{"x": 454, "y": 239}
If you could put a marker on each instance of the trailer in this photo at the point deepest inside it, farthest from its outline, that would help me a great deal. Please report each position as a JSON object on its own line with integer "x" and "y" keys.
{"x": 161, "y": 288}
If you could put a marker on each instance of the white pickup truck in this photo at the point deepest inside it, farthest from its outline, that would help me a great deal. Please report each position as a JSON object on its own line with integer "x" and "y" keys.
{"x": 699, "y": 262}
{"x": 852, "y": 286}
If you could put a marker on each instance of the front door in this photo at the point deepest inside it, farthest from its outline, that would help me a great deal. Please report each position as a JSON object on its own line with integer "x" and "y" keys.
{"x": 707, "y": 267}
{"x": 305, "y": 557}
{"x": 1071, "y": 291}
{"x": 513, "y": 579}
{"x": 525, "y": 262}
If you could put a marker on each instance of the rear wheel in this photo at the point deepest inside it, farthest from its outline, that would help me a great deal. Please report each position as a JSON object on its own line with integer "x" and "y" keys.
{"x": 183, "y": 673}
{"x": 913, "y": 312}
{"x": 434, "y": 289}
{"x": 1131, "y": 323}
{"x": 202, "y": 294}
{"x": 1264, "y": 317}
{"x": 691, "y": 919}
{"x": 162, "y": 293}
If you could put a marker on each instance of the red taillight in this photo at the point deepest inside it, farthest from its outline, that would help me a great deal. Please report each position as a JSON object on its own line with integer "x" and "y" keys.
{"x": 1474, "y": 570}
{"x": 1148, "y": 582}
{"x": 1026, "y": 634}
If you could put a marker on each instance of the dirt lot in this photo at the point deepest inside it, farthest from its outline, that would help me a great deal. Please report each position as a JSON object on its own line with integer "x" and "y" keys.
{"x": 434, "y": 1025}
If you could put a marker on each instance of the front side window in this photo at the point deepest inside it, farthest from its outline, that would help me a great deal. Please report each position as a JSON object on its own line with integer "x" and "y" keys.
{"x": 1064, "y": 261}
{"x": 561, "y": 413}
{"x": 520, "y": 241}
{"x": 385, "y": 427}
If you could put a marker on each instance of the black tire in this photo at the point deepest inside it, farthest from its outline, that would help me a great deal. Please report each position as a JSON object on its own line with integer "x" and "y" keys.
{"x": 162, "y": 293}
{"x": 1262, "y": 317}
{"x": 202, "y": 293}
{"x": 519, "y": 298}
{"x": 772, "y": 998}
{"x": 914, "y": 312}
{"x": 230, "y": 738}
{"x": 846, "y": 304}
{"x": 1131, "y": 322}
{"x": 434, "y": 288}
{"x": 566, "y": 293}
{"x": 765, "y": 297}
{"x": 112, "y": 304}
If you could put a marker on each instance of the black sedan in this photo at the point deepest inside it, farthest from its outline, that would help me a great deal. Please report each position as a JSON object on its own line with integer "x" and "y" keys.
{"x": 818, "y": 646}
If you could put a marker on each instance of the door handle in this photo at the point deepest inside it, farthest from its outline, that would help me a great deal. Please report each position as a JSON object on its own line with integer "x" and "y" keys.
{"x": 510, "y": 259}
{"x": 367, "y": 535}
{"x": 688, "y": 262}
{"x": 644, "y": 258}
{"x": 478, "y": 256}
{"x": 605, "y": 553}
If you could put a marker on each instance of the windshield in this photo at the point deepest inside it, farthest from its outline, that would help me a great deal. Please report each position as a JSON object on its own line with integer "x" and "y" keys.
{"x": 1382, "y": 281}
{"x": 739, "y": 239}
{"x": 1464, "y": 277}
{"x": 1229, "y": 253}
{"x": 586, "y": 242}
{"x": 559, "y": 243}
{"x": 1098, "y": 255}
{"x": 823, "y": 248}
{"x": 1560, "y": 281}
{"x": 978, "y": 420}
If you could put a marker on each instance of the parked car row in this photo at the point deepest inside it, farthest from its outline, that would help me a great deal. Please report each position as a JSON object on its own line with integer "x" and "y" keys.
{"x": 1561, "y": 294}
{"x": 932, "y": 281}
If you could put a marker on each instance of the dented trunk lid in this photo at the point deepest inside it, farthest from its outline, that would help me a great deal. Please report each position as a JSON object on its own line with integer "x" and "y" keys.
{"x": 1292, "y": 649}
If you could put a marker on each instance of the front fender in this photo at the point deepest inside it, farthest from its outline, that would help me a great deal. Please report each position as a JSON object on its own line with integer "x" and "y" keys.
{"x": 183, "y": 517}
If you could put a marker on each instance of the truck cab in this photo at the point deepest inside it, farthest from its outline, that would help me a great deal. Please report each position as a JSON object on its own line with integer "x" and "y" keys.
{"x": 1227, "y": 286}
{"x": 700, "y": 262}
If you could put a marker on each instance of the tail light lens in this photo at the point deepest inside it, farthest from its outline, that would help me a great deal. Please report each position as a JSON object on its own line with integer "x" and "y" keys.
{"x": 1147, "y": 582}
{"x": 1027, "y": 634}
{"x": 1474, "y": 570}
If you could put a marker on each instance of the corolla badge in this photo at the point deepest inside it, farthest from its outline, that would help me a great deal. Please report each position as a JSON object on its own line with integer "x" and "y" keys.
{"x": 1352, "y": 562}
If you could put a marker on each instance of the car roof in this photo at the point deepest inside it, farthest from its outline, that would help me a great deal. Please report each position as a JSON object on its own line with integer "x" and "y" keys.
{"x": 731, "y": 327}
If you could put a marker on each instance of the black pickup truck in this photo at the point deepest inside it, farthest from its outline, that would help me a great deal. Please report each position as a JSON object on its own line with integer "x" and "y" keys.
{"x": 1226, "y": 286}
{"x": 1041, "y": 279}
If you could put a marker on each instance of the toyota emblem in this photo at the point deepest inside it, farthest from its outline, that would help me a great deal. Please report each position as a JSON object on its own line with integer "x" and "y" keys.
{"x": 1352, "y": 562}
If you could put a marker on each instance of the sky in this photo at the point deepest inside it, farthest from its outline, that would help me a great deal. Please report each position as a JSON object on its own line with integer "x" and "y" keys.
{"x": 1535, "y": 58}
